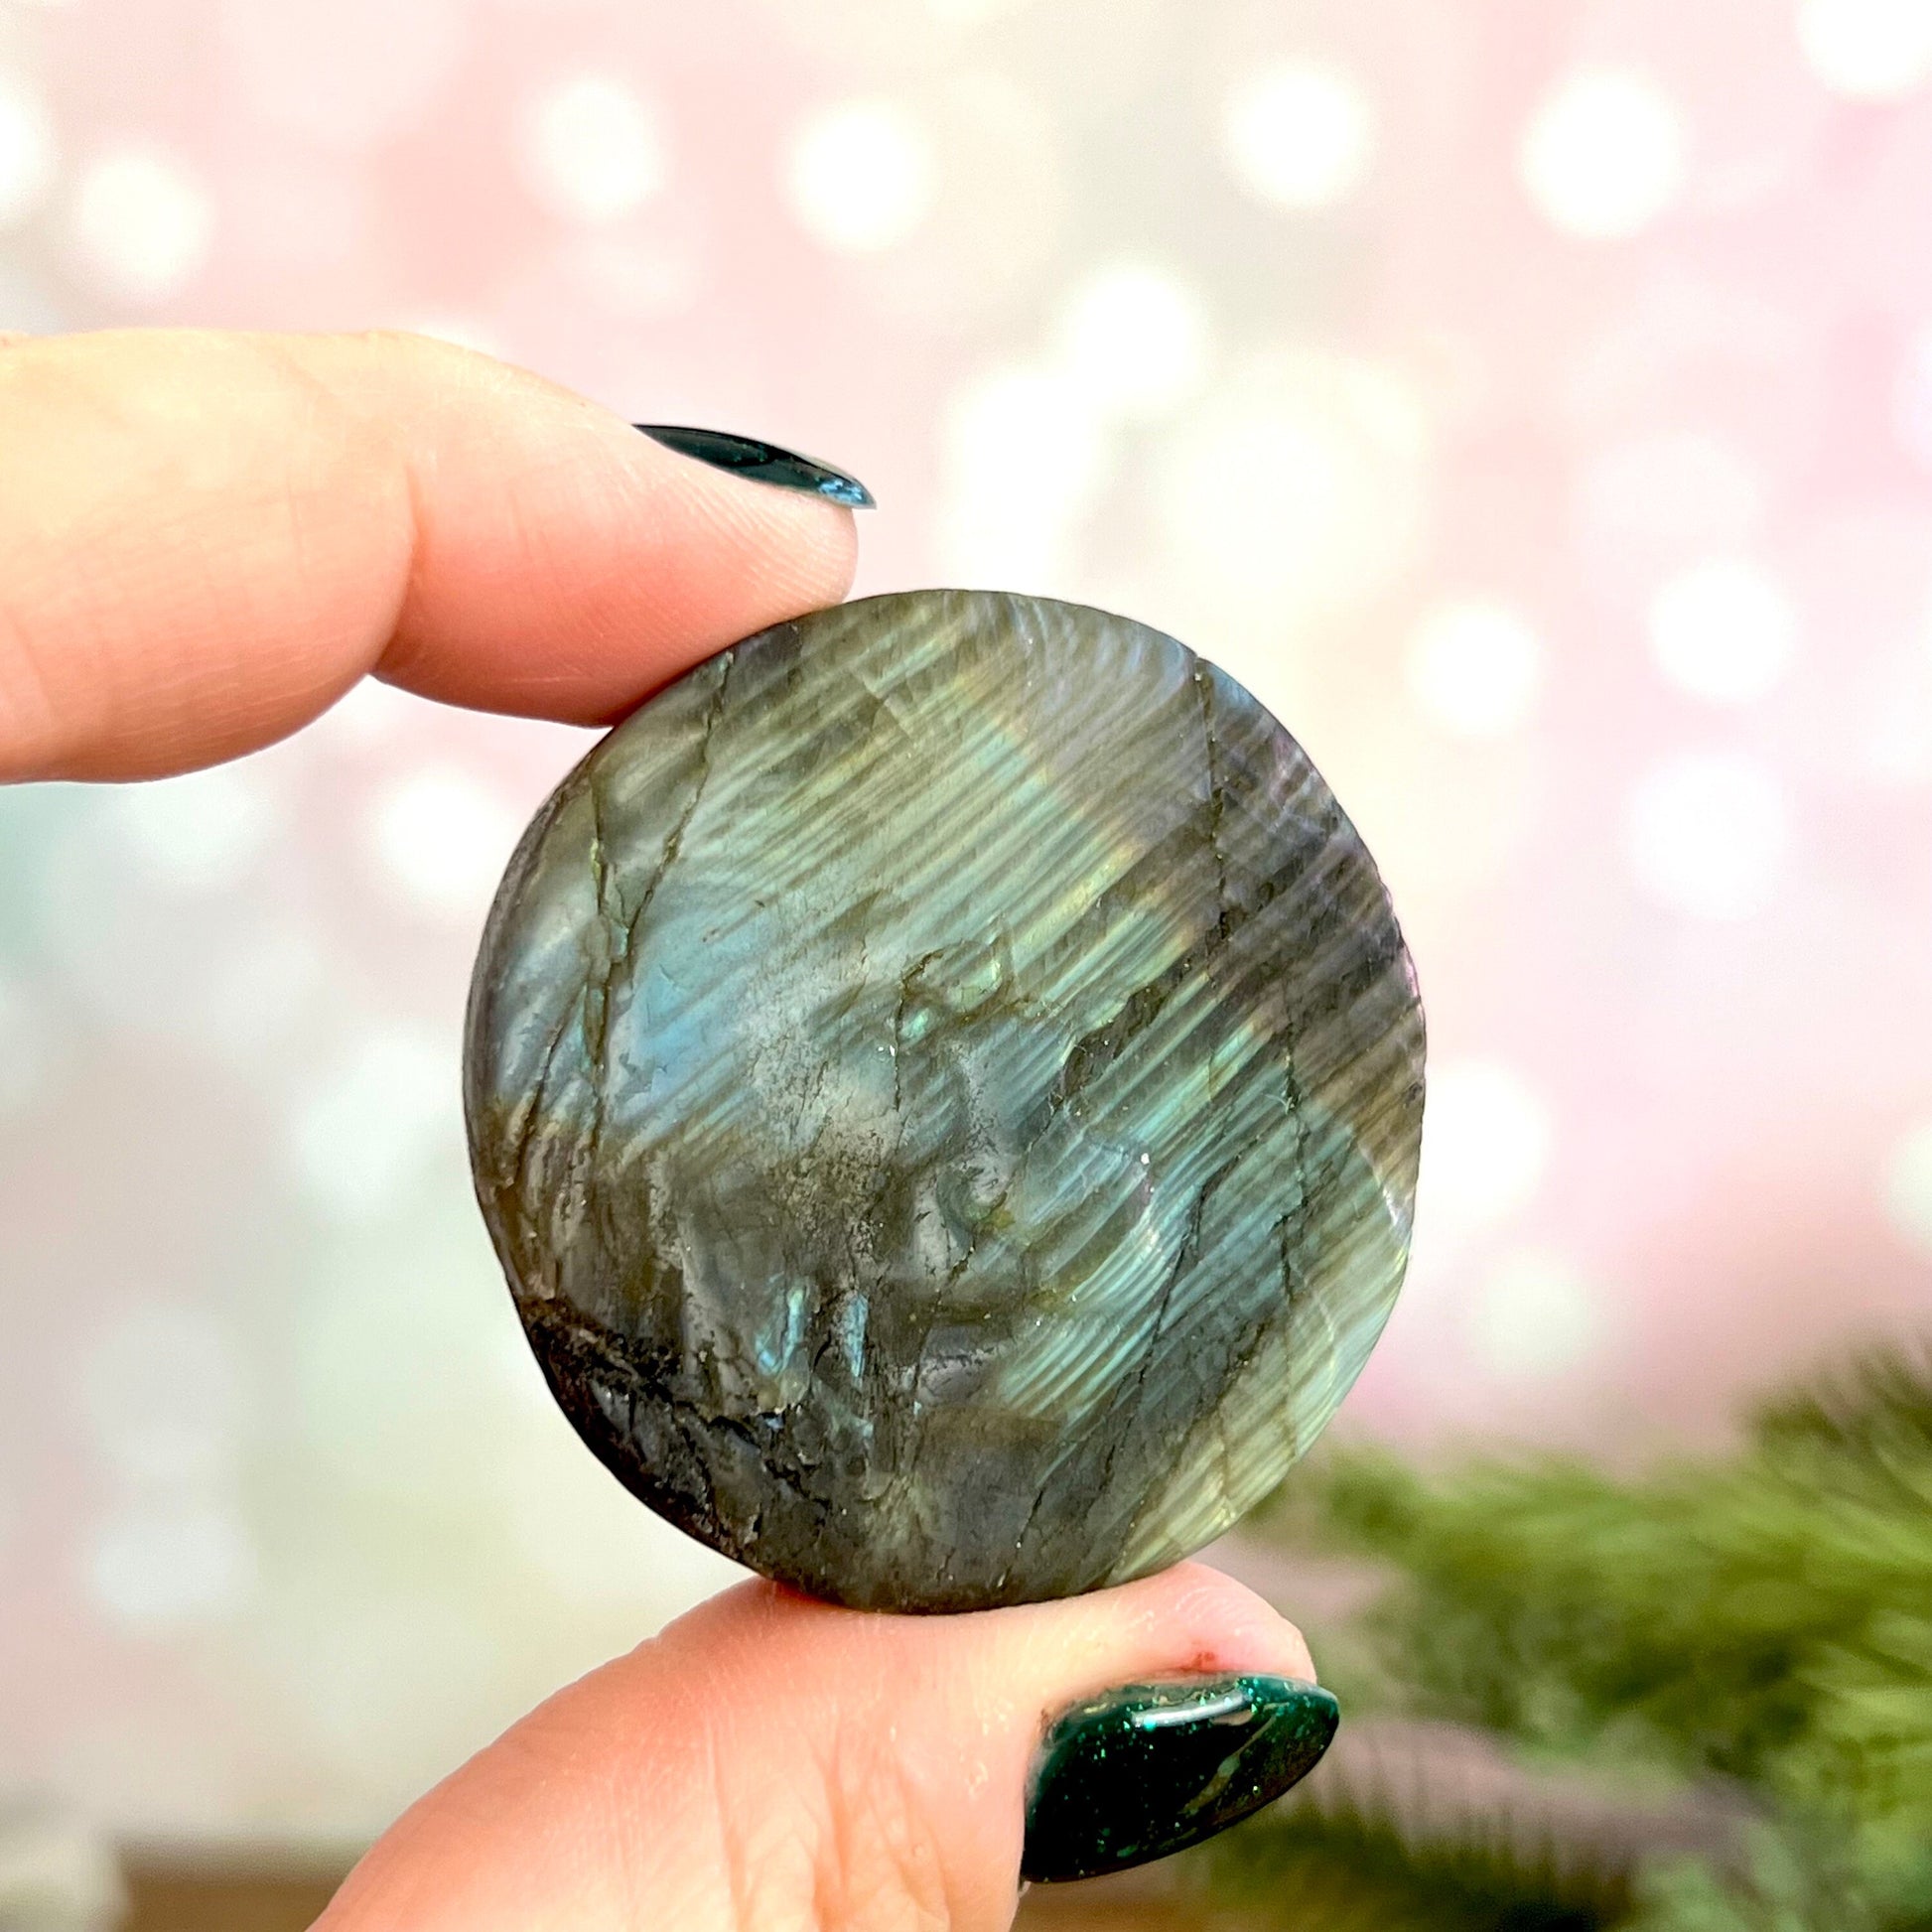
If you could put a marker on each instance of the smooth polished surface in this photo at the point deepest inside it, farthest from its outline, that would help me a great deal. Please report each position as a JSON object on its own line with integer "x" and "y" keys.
{"x": 944, "y": 1082}
{"x": 1147, "y": 1770}
{"x": 765, "y": 463}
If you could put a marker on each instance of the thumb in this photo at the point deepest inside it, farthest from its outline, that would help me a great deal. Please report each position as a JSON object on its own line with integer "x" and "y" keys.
{"x": 778, "y": 1764}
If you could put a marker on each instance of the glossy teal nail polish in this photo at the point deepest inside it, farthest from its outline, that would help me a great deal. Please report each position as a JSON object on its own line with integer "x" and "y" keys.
{"x": 1137, "y": 1773}
{"x": 745, "y": 455}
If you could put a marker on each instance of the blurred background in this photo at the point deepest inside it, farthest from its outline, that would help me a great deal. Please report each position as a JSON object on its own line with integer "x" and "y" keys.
{"x": 1531, "y": 400}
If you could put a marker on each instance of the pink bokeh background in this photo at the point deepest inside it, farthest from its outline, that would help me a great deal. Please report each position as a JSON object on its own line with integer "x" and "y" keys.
{"x": 1531, "y": 400}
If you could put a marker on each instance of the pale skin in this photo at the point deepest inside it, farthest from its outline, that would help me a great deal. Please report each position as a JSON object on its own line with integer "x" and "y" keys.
{"x": 204, "y": 540}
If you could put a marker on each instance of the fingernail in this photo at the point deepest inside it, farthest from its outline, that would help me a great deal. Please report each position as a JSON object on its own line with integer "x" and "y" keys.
{"x": 1137, "y": 1773}
{"x": 745, "y": 455}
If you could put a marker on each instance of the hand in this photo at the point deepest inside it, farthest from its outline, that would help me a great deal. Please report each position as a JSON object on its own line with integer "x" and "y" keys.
{"x": 207, "y": 539}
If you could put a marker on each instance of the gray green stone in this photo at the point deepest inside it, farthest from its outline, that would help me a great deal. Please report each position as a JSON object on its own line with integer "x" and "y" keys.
{"x": 944, "y": 1082}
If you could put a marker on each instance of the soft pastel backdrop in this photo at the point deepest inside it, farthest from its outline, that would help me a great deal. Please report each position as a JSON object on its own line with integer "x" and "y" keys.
{"x": 1530, "y": 399}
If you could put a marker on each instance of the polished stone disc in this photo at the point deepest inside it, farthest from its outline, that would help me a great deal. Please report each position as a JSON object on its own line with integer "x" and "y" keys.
{"x": 944, "y": 1082}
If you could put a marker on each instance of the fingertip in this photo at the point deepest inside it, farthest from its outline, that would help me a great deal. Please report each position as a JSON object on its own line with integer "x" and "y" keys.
{"x": 567, "y": 566}
{"x": 1146, "y": 1716}
{"x": 768, "y": 1748}
{"x": 1231, "y": 1626}
{"x": 1190, "y": 1620}
{"x": 209, "y": 537}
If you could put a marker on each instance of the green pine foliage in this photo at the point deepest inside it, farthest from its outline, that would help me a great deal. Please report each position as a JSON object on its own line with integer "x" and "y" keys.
{"x": 1763, "y": 1618}
{"x": 1357, "y": 1870}
{"x": 1796, "y": 1877}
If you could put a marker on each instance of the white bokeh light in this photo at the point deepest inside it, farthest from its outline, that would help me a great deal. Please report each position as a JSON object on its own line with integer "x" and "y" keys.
{"x": 1604, "y": 155}
{"x": 360, "y": 1137}
{"x": 590, "y": 149}
{"x": 1870, "y": 50}
{"x": 1300, "y": 135}
{"x": 1134, "y": 339}
{"x": 1486, "y": 1136}
{"x": 1906, "y": 1187}
{"x": 1300, "y": 483}
{"x": 163, "y": 1394}
{"x": 27, "y": 158}
{"x": 1025, "y": 452}
{"x": 200, "y": 833}
{"x": 142, "y": 224}
{"x": 443, "y": 837}
{"x": 1706, "y": 834}
{"x": 1535, "y": 1317}
{"x": 162, "y": 1566}
{"x": 861, "y": 176}
{"x": 1724, "y": 629}
{"x": 1475, "y": 666}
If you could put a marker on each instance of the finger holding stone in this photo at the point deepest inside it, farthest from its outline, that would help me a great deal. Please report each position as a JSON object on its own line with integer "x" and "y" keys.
{"x": 206, "y": 538}
{"x": 772, "y": 1761}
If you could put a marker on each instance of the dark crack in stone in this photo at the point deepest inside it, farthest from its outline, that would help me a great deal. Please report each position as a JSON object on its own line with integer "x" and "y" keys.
{"x": 944, "y": 1081}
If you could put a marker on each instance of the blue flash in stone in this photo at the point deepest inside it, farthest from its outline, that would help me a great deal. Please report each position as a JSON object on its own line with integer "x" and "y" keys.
{"x": 944, "y": 1082}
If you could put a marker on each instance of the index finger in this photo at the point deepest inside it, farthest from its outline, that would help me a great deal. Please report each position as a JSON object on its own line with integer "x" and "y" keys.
{"x": 206, "y": 538}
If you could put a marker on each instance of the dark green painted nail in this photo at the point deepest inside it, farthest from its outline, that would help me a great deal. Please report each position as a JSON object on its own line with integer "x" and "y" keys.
{"x": 1135, "y": 1774}
{"x": 745, "y": 455}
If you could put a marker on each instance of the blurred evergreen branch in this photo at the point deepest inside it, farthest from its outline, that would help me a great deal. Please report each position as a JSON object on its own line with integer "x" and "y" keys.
{"x": 1359, "y": 1867}
{"x": 1759, "y": 1622}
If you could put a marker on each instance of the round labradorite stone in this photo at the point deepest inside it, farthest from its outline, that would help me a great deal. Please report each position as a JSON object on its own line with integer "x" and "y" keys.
{"x": 944, "y": 1082}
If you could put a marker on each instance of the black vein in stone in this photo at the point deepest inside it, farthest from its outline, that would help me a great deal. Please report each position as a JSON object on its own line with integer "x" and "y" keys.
{"x": 669, "y": 1404}
{"x": 597, "y": 1036}
{"x": 520, "y": 1170}
{"x": 1097, "y": 1049}
{"x": 1216, "y": 808}
{"x": 599, "y": 1357}
{"x": 674, "y": 843}
{"x": 1186, "y": 1255}
{"x": 618, "y": 954}
{"x": 906, "y": 980}
{"x": 1217, "y": 794}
